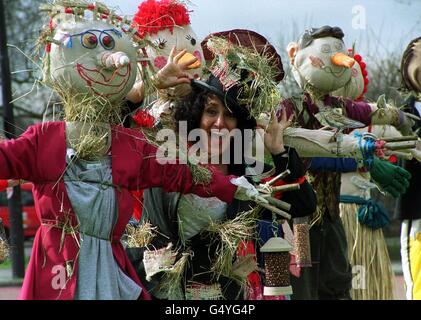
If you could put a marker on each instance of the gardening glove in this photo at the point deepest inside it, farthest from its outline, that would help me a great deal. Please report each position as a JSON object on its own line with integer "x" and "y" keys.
{"x": 391, "y": 178}
{"x": 246, "y": 191}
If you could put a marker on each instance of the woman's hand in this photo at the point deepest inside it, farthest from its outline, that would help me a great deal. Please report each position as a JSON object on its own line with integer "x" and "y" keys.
{"x": 274, "y": 133}
{"x": 174, "y": 72}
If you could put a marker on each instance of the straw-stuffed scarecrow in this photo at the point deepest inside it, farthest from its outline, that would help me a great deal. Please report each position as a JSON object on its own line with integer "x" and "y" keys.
{"x": 84, "y": 168}
{"x": 166, "y": 25}
{"x": 321, "y": 64}
{"x": 410, "y": 211}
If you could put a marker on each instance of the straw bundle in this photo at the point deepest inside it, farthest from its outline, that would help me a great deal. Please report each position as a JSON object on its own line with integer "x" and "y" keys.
{"x": 140, "y": 236}
{"x": 259, "y": 92}
{"x": 367, "y": 248}
{"x": 170, "y": 285}
{"x": 228, "y": 235}
{"x": 94, "y": 114}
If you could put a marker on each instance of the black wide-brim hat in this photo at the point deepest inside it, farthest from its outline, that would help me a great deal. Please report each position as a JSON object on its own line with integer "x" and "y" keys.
{"x": 229, "y": 98}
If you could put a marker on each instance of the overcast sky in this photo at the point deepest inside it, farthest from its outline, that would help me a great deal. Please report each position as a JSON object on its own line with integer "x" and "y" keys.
{"x": 377, "y": 26}
{"x": 392, "y": 22}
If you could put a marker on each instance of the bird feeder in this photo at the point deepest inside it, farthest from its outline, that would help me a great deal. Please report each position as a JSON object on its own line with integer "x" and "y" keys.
{"x": 302, "y": 242}
{"x": 277, "y": 259}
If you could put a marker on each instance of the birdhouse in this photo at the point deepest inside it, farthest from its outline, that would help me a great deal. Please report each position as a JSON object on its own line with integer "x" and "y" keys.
{"x": 276, "y": 256}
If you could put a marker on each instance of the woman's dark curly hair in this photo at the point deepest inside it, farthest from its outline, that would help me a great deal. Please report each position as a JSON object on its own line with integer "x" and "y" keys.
{"x": 190, "y": 109}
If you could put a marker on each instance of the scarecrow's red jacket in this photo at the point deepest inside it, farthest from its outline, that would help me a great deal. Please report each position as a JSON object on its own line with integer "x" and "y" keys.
{"x": 39, "y": 156}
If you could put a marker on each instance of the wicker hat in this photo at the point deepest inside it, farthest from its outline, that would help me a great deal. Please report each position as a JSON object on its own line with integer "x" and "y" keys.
{"x": 248, "y": 39}
{"x": 245, "y": 70}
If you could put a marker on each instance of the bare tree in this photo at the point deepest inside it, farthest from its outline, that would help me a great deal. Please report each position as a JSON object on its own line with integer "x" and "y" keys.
{"x": 24, "y": 23}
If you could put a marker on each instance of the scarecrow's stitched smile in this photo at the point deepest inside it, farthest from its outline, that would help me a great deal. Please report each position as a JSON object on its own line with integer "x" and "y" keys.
{"x": 93, "y": 77}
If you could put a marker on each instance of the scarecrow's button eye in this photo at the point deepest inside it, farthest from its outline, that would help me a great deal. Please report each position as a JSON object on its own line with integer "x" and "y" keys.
{"x": 339, "y": 46}
{"x": 89, "y": 40}
{"x": 108, "y": 42}
{"x": 325, "y": 48}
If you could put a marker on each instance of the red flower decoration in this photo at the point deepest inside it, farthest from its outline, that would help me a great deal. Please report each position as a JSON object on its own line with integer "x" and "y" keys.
{"x": 364, "y": 72}
{"x": 393, "y": 159}
{"x": 144, "y": 119}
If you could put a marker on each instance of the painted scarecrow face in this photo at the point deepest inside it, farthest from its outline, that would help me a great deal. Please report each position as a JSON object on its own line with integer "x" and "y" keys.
{"x": 324, "y": 64}
{"x": 355, "y": 87}
{"x": 93, "y": 57}
{"x": 182, "y": 38}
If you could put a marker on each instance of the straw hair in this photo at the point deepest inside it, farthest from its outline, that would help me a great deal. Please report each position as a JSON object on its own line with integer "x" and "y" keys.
{"x": 140, "y": 236}
{"x": 228, "y": 234}
{"x": 367, "y": 248}
{"x": 254, "y": 73}
{"x": 94, "y": 114}
{"x": 170, "y": 284}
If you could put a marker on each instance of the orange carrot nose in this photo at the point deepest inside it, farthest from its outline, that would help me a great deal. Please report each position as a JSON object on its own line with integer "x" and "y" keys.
{"x": 342, "y": 60}
{"x": 189, "y": 57}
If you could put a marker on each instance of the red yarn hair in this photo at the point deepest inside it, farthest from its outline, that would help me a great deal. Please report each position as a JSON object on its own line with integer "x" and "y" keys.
{"x": 153, "y": 16}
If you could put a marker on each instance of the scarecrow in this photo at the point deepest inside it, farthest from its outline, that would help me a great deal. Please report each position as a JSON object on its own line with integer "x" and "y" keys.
{"x": 321, "y": 64}
{"x": 362, "y": 216}
{"x": 410, "y": 212}
{"x": 84, "y": 168}
{"x": 166, "y": 25}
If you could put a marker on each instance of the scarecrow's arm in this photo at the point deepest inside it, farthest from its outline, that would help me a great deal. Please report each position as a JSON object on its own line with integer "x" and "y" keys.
{"x": 178, "y": 178}
{"x": 378, "y": 114}
{"x": 18, "y": 156}
{"x": 303, "y": 201}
